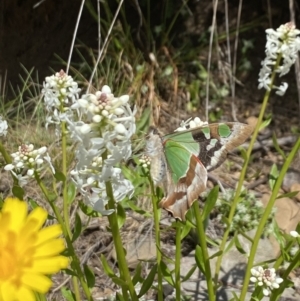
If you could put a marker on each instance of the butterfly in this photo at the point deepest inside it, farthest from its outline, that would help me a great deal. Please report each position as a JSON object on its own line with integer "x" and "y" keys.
{"x": 181, "y": 160}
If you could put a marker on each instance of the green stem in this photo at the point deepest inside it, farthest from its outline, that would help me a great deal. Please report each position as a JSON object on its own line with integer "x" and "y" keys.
{"x": 265, "y": 217}
{"x": 123, "y": 267}
{"x": 178, "y": 260}
{"x": 243, "y": 172}
{"x": 203, "y": 245}
{"x": 156, "y": 214}
{"x": 75, "y": 260}
{"x": 64, "y": 171}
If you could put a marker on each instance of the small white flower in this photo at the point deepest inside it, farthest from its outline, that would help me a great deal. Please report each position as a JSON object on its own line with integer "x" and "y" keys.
{"x": 29, "y": 159}
{"x": 265, "y": 278}
{"x": 191, "y": 123}
{"x": 3, "y": 127}
{"x": 294, "y": 234}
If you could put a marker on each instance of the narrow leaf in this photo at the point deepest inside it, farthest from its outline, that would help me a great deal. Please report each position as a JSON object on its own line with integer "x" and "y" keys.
{"x": 166, "y": 273}
{"x": 277, "y": 147}
{"x": 216, "y": 254}
{"x": 238, "y": 245}
{"x": 121, "y": 215}
{"x": 210, "y": 202}
{"x": 189, "y": 273}
{"x": 77, "y": 227}
{"x": 71, "y": 192}
{"x": 199, "y": 259}
{"x": 148, "y": 281}
{"x": 288, "y": 195}
{"x": 119, "y": 281}
{"x": 89, "y": 276}
{"x": 137, "y": 275}
{"x": 107, "y": 269}
{"x": 59, "y": 176}
{"x": 274, "y": 173}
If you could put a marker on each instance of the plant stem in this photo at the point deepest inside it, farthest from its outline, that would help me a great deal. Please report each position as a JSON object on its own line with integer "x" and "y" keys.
{"x": 178, "y": 260}
{"x": 123, "y": 267}
{"x": 156, "y": 214}
{"x": 203, "y": 245}
{"x": 265, "y": 218}
{"x": 64, "y": 171}
{"x": 243, "y": 172}
{"x": 75, "y": 260}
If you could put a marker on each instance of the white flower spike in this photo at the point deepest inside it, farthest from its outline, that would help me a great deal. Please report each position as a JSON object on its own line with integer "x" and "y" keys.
{"x": 284, "y": 42}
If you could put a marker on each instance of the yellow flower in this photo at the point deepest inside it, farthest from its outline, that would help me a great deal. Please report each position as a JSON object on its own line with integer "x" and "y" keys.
{"x": 28, "y": 253}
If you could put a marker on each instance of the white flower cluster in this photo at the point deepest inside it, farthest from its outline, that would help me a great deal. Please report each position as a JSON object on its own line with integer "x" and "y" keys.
{"x": 60, "y": 91}
{"x": 190, "y": 124}
{"x": 295, "y": 234}
{"x": 265, "y": 278}
{"x": 3, "y": 127}
{"x": 104, "y": 132}
{"x": 145, "y": 161}
{"x": 29, "y": 159}
{"x": 285, "y": 42}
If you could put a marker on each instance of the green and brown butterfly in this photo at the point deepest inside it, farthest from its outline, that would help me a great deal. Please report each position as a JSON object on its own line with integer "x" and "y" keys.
{"x": 180, "y": 161}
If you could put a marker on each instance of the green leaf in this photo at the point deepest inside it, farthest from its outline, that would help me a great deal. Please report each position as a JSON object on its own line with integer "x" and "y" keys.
{"x": 238, "y": 245}
{"x": 137, "y": 275}
{"x": 120, "y": 282}
{"x": 77, "y": 227}
{"x": 89, "y": 276}
{"x": 18, "y": 192}
{"x": 71, "y": 192}
{"x": 288, "y": 195}
{"x": 210, "y": 202}
{"x": 67, "y": 294}
{"x": 70, "y": 272}
{"x": 59, "y": 176}
{"x": 216, "y": 254}
{"x": 199, "y": 259}
{"x": 277, "y": 147}
{"x": 265, "y": 123}
{"x": 148, "y": 281}
{"x": 121, "y": 215}
{"x": 189, "y": 273}
{"x": 138, "y": 209}
{"x": 274, "y": 173}
{"x": 166, "y": 273}
{"x": 107, "y": 269}
{"x": 185, "y": 230}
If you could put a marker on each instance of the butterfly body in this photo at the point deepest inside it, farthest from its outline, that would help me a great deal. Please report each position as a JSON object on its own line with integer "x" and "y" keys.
{"x": 180, "y": 160}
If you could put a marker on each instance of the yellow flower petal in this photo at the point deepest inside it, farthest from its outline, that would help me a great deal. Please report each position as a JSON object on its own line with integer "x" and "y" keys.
{"x": 37, "y": 218}
{"x": 17, "y": 210}
{"x": 37, "y": 282}
{"x": 24, "y": 293}
{"x": 50, "y": 248}
{"x": 48, "y": 233}
{"x": 49, "y": 265}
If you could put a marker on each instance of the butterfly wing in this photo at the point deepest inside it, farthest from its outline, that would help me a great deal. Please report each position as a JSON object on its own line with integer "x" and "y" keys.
{"x": 186, "y": 177}
{"x": 214, "y": 141}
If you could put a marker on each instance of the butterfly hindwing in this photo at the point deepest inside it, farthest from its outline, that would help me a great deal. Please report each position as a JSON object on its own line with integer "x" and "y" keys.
{"x": 180, "y": 196}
